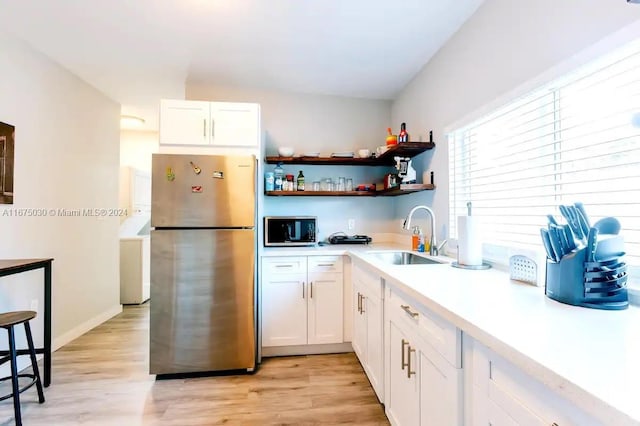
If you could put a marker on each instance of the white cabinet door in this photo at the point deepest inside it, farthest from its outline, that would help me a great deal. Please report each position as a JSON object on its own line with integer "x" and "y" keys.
{"x": 374, "y": 342}
{"x": 440, "y": 390}
{"x": 504, "y": 394}
{"x": 325, "y": 308}
{"x": 403, "y": 399}
{"x": 284, "y": 310}
{"x": 359, "y": 340}
{"x": 184, "y": 122}
{"x": 235, "y": 124}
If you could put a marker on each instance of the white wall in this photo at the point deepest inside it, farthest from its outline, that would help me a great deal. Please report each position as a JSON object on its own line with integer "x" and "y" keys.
{"x": 326, "y": 124}
{"x": 504, "y": 44}
{"x": 67, "y": 155}
{"x": 136, "y": 147}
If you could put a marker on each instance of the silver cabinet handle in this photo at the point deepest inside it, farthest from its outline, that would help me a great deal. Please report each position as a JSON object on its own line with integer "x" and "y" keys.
{"x": 204, "y": 127}
{"x": 213, "y": 127}
{"x": 311, "y": 289}
{"x": 407, "y": 309}
{"x": 404, "y": 343}
{"x": 303, "y": 289}
{"x": 364, "y": 299}
{"x": 284, "y": 266}
{"x": 359, "y": 303}
{"x": 409, "y": 372}
{"x": 325, "y": 264}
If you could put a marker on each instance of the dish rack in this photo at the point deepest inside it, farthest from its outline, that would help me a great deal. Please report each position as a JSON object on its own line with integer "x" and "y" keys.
{"x": 599, "y": 284}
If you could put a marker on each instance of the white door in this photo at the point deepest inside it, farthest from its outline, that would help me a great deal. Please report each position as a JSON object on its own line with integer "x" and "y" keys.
{"x": 284, "y": 310}
{"x": 374, "y": 343}
{"x": 403, "y": 408}
{"x": 440, "y": 392}
{"x": 325, "y": 308}
{"x": 235, "y": 124}
{"x": 184, "y": 122}
{"x": 359, "y": 340}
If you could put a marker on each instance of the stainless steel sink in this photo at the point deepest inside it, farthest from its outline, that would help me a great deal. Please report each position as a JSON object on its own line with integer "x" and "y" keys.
{"x": 403, "y": 258}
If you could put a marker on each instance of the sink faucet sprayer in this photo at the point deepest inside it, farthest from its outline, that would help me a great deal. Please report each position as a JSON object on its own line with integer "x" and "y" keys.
{"x": 434, "y": 250}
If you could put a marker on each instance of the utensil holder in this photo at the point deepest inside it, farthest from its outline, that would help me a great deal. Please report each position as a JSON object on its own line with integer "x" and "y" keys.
{"x": 600, "y": 284}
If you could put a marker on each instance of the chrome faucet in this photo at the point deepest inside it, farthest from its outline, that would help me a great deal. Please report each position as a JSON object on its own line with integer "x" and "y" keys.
{"x": 433, "y": 245}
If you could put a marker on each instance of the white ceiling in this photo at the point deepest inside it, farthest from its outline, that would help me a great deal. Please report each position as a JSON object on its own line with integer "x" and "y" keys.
{"x": 139, "y": 51}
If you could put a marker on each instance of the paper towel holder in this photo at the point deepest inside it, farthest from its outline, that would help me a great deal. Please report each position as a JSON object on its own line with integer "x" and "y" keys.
{"x": 484, "y": 265}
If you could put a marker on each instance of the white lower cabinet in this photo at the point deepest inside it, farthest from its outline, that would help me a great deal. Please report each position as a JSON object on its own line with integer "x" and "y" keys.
{"x": 301, "y": 300}
{"x": 424, "y": 378}
{"x": 367, "y": 341}
{"x": 502, "y": 394}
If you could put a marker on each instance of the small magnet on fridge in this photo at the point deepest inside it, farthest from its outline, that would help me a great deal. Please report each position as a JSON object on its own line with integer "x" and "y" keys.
{"x": 196, "y": 169}
{"x": 196, "y": 188}
{"x": 170, "y": 175}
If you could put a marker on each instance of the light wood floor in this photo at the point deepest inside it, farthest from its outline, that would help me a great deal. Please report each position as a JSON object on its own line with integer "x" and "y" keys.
{"x": 102, "y": 378}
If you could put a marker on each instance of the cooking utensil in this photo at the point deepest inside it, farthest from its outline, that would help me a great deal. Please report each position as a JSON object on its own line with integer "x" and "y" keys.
{"x": 580, "y": 207}
{"x": 552, "y": 220}
{"x": 468, "y": 208}
{"x": 583, "y": 222}
{"x": 558, "y": 232}
{"x": 608, "y": 225}
{"x": 573, "y": 221}
{"x": 571, "y": 243}
{"x": 592, "y": 245}
{"x": 546, "y": 242}
{"x": 554, "y": 238}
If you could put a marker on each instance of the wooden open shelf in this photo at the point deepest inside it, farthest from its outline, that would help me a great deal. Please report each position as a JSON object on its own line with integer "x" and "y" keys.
{"x": 405, "y": 149}
{"x": 401, "y": 190}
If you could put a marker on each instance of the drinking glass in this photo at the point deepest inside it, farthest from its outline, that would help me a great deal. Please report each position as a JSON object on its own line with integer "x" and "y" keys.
{"x": 316, "y": 185}
{"x": 348, "y": 185}
{"x": 340, "y": 185}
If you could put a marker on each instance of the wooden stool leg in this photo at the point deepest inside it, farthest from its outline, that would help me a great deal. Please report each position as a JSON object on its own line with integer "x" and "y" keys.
{"x": 14, "y": 376}
{"x": 34, "y": 362}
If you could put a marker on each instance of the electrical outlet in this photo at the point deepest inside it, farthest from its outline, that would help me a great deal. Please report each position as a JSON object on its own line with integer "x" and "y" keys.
{"x": 351, "y": 223}
{"x": 34, "y": 305}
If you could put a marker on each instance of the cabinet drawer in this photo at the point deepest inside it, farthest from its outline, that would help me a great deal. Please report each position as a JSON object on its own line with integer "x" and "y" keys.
{"x": 443, "y": 336}
{"x": 282, "y": 265}
{"x": 325, "y": 264}
{"x": 370, "y": 283}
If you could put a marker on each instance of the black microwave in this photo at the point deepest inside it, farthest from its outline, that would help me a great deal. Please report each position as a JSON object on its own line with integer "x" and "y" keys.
{"x": 285, "y": 231}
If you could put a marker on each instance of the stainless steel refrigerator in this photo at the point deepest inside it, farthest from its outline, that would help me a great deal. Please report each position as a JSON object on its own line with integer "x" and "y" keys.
{"x": 203, "y": 264}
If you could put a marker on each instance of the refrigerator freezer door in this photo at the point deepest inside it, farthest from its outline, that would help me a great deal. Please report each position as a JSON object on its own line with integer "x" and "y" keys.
{"x": 202, "y": 301}
{"x": 203, "y": 191}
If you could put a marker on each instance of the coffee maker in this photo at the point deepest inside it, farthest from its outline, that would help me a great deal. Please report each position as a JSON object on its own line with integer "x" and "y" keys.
{"x": 406, "y": 172}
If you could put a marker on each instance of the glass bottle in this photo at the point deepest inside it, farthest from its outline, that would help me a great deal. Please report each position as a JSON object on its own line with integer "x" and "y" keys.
{"x": 300, "y": 180}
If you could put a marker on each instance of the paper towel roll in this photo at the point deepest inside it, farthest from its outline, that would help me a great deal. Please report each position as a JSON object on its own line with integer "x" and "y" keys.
{"x": 469, "y": 242}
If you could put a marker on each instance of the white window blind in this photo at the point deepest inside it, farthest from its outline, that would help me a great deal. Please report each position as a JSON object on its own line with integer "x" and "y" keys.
{"x": 575, "y": 139}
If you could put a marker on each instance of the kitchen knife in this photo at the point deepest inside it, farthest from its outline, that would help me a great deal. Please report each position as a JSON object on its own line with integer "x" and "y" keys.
{"x": 580, "y": 207}
{"x": 570, "y": 239}
{"x": 558, "y": 233}
{"x": 592, "y": 245}
{"x": 546, "y": 242}
{"x": 583, "y": 222}
{"x": 555, "y": 244}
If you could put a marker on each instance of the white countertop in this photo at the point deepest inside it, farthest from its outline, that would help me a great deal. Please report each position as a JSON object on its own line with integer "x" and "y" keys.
{"x": 589, "y": 356}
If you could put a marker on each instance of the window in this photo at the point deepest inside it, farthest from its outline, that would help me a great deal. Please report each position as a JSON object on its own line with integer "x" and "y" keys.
{"x": 574, "y": 139}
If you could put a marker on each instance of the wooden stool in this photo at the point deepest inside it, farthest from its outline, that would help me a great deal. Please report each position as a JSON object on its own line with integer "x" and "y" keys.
{"x": 8, "y": 320}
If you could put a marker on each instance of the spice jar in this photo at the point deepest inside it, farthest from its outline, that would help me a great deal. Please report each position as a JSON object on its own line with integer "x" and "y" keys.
{"x": 289, "y": 183}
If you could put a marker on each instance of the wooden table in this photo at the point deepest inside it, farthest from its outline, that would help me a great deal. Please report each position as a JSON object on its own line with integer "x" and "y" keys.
{"x": 16, "y": 266}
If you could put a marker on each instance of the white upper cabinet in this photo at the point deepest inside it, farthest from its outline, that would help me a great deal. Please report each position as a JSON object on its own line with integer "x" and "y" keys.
{"x": 223, "y": 124}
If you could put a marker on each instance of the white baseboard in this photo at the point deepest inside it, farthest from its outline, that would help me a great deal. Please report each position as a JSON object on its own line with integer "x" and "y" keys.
{"x": 79, "y": 330}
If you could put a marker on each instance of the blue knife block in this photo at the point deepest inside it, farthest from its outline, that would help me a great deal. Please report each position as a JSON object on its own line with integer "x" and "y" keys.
{"x": 601, "y": 284}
